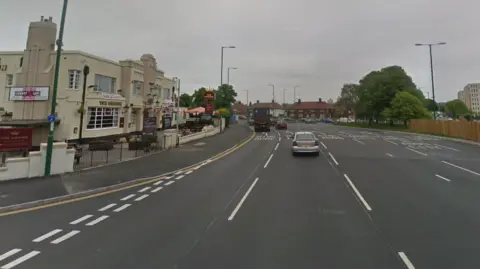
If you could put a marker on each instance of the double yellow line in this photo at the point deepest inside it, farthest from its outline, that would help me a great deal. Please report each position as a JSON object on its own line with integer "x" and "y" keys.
{"x": 148, "y": 181}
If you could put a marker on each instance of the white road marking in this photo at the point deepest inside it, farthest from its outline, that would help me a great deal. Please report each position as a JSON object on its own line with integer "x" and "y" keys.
{"x": 279, "y": 138}
{"x": 444, "y": 178}
{"x": 107, "y": 207}
{"x": 390, "y": 142}
{"x": 179, "y": 177}
{"x": 145, "y": 189}
{"x": 333, "y": 158}
{"x": 189, "y": 172}
{"x": 197, "y": 167}
{"x": 243, "y": 200}
{"x": 446, "y": 147}
{"x": 168, "y": 177}
{"x": 358, "y": 141}
{"x": 169, "y": 183}
{"x": 77, "y": 221}
{"x": 464, "y": 169}
{"x": 141, "y": 197}
{"x": 65, "y": 237}
{"x": 208, "y": 161}
{"x": 9, "y": 253}
{"x": 323, "y": 145}
{"x": 157, "y": 189}
{"x": 367, "y": 206}
{"x": 122, "y": 207}
{"x": 424, "y": 154}
{"x": 99, "y": 219}
{"x": 388, "y": 154}
{"x": 127, "y": 197}
{"x": 268, "y": 161}
{"x": 406, "y": 261}
{"x": 276, "y": 147}
{"x": 47, "y": 235}
{"x": 158, "y": 182}
{"x": 178, "y": 173}
{"x": 18, "y": 261}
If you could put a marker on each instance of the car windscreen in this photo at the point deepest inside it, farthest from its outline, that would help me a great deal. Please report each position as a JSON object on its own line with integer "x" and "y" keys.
{"x": 304, "y": 137}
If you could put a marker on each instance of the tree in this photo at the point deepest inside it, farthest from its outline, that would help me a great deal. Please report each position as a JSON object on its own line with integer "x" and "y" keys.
{"x": 405, "y": 107}
{"x": 225, "y": 96}
{"x": 186, "y": 100}
{"x": 456, "y": 108}
{"x": 347, "y": 100}
{"x": 431, "y": 105}
{"x": 197, "y": 97}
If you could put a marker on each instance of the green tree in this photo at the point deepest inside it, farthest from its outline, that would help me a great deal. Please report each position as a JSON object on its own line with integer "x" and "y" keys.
{"x": 405, "y": 107}
{"x": 197, "y": 97}
{"x": 431, "y": 105}
{"x": 347, "y": 101}
{"x": 456, "y": 108}
{"x": 225, "y": 96}
{"x": 186, "y": 100}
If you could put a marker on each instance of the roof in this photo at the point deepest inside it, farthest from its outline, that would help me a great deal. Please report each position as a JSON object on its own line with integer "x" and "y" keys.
{"x": 312, "y": 105}
{"x": 267, "y": 105}
{"x": 239, "y": 108}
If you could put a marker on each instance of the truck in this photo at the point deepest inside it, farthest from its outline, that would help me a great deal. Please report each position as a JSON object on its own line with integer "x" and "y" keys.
{"x": 262, "y": 119}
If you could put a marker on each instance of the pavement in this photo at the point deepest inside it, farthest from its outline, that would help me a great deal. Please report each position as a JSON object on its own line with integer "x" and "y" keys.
{"x": 372, "y": 199}
{"x": 26, "y": 190}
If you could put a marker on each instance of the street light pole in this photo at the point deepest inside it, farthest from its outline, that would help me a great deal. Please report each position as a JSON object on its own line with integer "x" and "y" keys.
{"x": 273, "y": 91}
{"x": 228, "y": 74}
{"x": 295, "y": 93}
{"x": 431, "y": 72}
{"x": 48, "y": 155}
{"x": 284, "y": 95}
{"x": 221, "y": 63}
{"x": 247, "y": 96}
{"x": 86, "y": 71}
{"x": 178, "y": 112}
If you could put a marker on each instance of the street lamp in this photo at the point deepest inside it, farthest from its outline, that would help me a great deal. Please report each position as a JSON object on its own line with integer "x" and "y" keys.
{"x": 177, "y": 113}
{"x": 431, "y": 71}
{"x": 295, "y": 93}
{"x": 221, "y": 64}
{"x": 86, "y": 71}
{"x": 59, "y": 42}
{"x": 273, "y": 91}
{"x": 284, "y": 90}
{"x": 247, "y": 96}
{"x": 228, "y": 74}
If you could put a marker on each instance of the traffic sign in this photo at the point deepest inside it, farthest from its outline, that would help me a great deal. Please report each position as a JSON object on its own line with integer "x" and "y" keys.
{"x": 51, "y": 118}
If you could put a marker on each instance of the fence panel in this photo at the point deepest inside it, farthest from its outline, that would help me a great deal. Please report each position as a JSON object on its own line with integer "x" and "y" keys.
{"x": 468, "y": 130}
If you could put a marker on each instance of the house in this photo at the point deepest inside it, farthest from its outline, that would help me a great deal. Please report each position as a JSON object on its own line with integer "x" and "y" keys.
{"x": 240, "y": 109}
{"x": 310, "y": 109}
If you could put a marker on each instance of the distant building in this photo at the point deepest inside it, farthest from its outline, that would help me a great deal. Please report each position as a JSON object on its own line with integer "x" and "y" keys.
{"x": 315, "y": 109}
{"x": 240, "y": 109}
{"x": 276, "y": 109}
{"x": 470, "y": 96}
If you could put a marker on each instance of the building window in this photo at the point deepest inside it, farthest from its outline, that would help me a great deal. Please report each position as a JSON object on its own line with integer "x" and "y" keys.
{"x": 73, "y": 79}
{"x": 105, "y": 84}
{"x": 166, "y": 94}
{"x": 9, "y": 80}
{"x": 102, "y": 118}
{"x": 137, "y": 87}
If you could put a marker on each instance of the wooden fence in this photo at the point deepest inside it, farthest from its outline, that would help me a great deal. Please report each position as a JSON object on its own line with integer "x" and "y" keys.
{"x": 461, "y": 129}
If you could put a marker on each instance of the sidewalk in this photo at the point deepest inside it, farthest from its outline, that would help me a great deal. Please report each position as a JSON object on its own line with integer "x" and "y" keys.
{"x": 26, "y": 190}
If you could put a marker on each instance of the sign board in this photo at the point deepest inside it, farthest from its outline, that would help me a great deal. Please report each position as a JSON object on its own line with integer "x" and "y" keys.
{"x": 51, "y": 118}
{"x": 209, "y": 108}
{"x": 112, "y": 96}
{"x": 109, "y": 103}
{"x": 29, "y": 93}
{"x": 150, "y": 125}
{"x": 209, "y": 95}
{"x": 167, "y": 121}
{"x": 15, "y": 138}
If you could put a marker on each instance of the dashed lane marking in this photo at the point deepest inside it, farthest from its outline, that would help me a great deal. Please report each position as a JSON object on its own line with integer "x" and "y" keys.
{"x": 157, "y": 189}
{"x": 18, "y": 261}
{"x": 127, "y": 197}
{"x": 189, "y": 172}
{"x": 9, "y": 253}
{"x": 107, "y": 207}
{"x": 65, "y": 237}
{"x": 158, "y": 182}
{"x": 47, "y": 235}
{"x": 405, "y": 260}
{"x": 77, "y": 221}
{"x": 140, "y": 198}
{"x": 180, "y": 177}
{"x": 123, "y": 207}
{"x": 98, "y": 220}
{"x": 169, "y": 183}
{"x": 145, "y": 189}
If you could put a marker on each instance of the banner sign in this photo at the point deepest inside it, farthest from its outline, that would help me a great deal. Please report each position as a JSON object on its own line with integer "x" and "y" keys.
{"x": 29, "y": 93}
{"x": 15, "y": 138}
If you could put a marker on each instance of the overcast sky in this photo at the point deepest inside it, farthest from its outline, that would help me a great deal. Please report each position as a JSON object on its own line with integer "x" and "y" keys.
{"x": 317, "y": 44}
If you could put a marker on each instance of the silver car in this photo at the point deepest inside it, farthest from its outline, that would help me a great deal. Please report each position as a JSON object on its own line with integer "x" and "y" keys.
{"x": 305, "y": 142}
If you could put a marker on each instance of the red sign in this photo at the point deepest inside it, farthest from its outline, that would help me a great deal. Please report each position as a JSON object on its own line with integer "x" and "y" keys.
{"x": 209, "y": 108}
{"x": 15, "y": 138}
{"x": 209, "y": 95}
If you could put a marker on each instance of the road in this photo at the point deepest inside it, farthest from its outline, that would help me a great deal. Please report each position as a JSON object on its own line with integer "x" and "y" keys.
{"x": 372, "y": 199}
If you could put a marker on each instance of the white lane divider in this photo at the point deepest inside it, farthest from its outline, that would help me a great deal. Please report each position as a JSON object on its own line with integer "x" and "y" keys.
{"x": 127, "y": 197}
{"x": 180, "y": 177}
{"x": 268, "y": 161}
{"x": 107, "y": 207}
{"x": 47, "y": 235}
{"x": 444, "y": 178}
{"x": 145, "y": 189}
{"x": 18, "y": 261}
{"x": 9, "y": 253}
{"x": 421, "y": 153}
{"x": 157, "y": 189}
{"x": 65, "y": 237}
{"x": 359, "y": 195}
{"x": 390, "y": 155}
{"x": 333, "y": 158}
{"x": 189, "y": 172}
{"x": 405, "y": 260}
{"x": 276, "y": 147}
{"x": 158, "y": 182}
{"x": 459, "y": 167}
{"x": 99, "y": 219}
{"x": 77, "y": 221}
{"x": 169, "y": 183}
{"x": 446, "y": 147}
{"x": 390, "y": 142}
{"x": 178, "y": 173}
{"x": 140, "y": 198}
{"x": 197, "y": 167}
{"x": 358, "y": 141}
{"x": 123, "y": 207}
{"x": 323, "y": 145}
{"x": 169, "y": 177}
{"x": 243, "y": 200}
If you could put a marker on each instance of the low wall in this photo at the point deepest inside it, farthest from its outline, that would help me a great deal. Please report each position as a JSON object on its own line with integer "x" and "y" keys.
{"x": 199, "y": 135}
{"x": 34, "y": 164}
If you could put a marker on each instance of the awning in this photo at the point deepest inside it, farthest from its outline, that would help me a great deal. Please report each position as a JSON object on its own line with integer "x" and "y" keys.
{"x": 195, "y": 110}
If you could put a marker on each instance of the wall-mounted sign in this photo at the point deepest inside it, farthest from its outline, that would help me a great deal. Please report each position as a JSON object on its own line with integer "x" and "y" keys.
{"x": 112, "y": 96}
{"x": 109, "y": 103}
{"x": 209, "y": 108}
{"x": 29, "y": 93}
{"x": 3, "y": 67}
{"x": 15, "y": 138}
{"x": 209, "y": 95}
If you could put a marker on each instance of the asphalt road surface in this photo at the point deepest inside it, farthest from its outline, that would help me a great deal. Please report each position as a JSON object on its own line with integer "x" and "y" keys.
{"x": 372, "y": 199}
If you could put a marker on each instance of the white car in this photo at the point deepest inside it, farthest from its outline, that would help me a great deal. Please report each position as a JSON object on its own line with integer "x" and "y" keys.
{"x": 305, "y": 142}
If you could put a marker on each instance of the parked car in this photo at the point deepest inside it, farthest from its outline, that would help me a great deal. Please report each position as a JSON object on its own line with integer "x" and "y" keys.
{"x": 281, "y": 125}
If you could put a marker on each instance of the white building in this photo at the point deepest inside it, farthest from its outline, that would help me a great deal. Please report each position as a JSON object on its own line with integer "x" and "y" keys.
{"x": 470, "y": 96}
{"x": 118, "y": 95}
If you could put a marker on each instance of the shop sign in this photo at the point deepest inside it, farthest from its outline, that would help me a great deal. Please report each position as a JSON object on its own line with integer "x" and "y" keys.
{"x": 109, "y": 103}
{"x": 29, "y": 93}
{"x": 112, "y": 96}
{"x": 3, "y": 67}
{"x": 15, "y": 138}
{"x": 209, "y": 95}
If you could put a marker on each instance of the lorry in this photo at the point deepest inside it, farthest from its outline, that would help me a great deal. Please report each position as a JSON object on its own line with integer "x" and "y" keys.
{"x": 262, "y": 119}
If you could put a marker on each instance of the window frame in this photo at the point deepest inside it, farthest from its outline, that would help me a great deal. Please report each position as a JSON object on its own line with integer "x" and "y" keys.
{"x": 9, "y": 78}
{"x": 97, "y": 120}
{"x": 74, "y": 78}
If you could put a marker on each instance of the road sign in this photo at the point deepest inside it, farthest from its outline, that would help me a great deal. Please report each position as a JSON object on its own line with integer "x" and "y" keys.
{"x": 51, "y": 118}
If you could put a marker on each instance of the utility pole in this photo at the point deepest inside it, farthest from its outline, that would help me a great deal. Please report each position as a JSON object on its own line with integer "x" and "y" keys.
{"x": 273, "y": 92}
{"x": 247, "y": 96}
{"x": 295, "y": 93}
{"x": 284, "y": 96}
{"x": 48, "y": 155}
{"x": 86, "y": 71}
{"x": 221, "y": 63}
{"x": 178, "y": 112}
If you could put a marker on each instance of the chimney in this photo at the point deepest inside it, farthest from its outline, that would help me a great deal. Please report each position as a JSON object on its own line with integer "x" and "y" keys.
{"x": 273, "y": 101}
{"x": 258, "y": 101}
{"x": 319, "y": 100}
{"x": 299, "y": 100}
{"x": 41, "y": 18}
{"x": 50, "y": 19}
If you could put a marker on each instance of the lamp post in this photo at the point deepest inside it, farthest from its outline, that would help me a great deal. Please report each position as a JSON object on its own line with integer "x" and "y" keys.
{"x": 295, "y": 93}
{"x": 228, "y": 74}
{"x": 273, "y": 91}
{"x": 247, "y": 96}
{"x": 221, "y": 64}
{"x": 177, "y": 113}
{"x": 48, "y": 155}
{"x": 431, "y": 71}
{"x": 86, "y": 71}
{"x": 284, "y": 90}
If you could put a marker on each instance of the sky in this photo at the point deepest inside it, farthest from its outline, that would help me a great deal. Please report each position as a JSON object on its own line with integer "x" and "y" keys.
{"x": 316, "y": 44}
